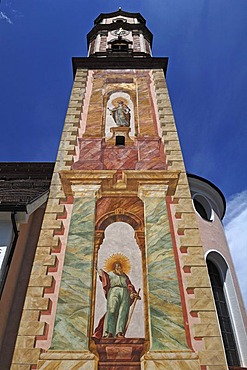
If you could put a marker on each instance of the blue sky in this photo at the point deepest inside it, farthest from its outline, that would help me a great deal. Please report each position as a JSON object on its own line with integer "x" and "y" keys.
{"x": 205, "y": 41}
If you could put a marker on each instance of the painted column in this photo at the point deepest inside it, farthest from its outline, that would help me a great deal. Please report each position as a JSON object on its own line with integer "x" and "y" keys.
{"x": 71, "y": 331}
{"x": 165, "y": 313}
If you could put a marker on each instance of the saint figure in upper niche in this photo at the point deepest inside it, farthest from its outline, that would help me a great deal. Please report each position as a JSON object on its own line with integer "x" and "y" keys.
{"x": 121, "y": 114}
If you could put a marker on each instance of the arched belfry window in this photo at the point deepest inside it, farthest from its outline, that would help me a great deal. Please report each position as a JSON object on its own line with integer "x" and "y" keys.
{"x": 119, "y": 20}
{"x": 119, "y": 46}
{"x": 223, "y": 315}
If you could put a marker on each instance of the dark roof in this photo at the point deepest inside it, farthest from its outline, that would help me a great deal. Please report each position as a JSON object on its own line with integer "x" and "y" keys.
{"x": 120, "y": 12}
{"x": 21, "y": 183}
{"x": 218, "y": 191}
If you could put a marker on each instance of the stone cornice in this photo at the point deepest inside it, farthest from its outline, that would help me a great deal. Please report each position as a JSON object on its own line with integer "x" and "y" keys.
{"x": 119, "y": 63}
{"x": 115, "y": 183}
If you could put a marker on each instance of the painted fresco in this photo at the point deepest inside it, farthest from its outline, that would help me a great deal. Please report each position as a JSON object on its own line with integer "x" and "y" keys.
{"x": 73, "y": 308}
{"x": 131, "y": 301}
{"x": 112, "y": 107}
{"x": 114, "y": 248}
{"x": 140, "y": 146}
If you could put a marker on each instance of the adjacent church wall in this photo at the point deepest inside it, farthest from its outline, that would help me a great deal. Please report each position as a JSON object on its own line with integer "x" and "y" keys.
{"x": 15, "y": 288}
{"x": 216, "y": 250}
{"x": 214, "y": 239}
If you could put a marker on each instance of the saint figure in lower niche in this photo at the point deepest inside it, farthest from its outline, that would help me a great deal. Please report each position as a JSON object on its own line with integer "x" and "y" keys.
{"x": 121, "y": 114}
{"x": 120, "y": 294}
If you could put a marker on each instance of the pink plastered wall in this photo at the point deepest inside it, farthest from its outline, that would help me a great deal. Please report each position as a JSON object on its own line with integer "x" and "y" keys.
{"x": 214, "y": 239}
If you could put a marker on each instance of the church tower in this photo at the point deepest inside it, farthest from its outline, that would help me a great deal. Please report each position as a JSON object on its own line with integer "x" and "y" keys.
{"x": 119, "y": 279}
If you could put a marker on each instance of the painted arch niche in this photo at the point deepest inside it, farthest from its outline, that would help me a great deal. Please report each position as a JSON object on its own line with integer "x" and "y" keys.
{"x": 120, "y": 238}
{"x": 113, "y": 103}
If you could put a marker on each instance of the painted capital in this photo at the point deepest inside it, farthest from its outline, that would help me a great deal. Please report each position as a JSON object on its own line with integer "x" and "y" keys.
{"x": 152, "y": 190}
{"x": 89, "y": 191}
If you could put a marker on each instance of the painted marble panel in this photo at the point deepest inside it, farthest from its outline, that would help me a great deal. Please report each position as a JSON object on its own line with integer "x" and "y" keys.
{"x": 90, "y": 156}
{"x": 120, "y": 158}
{"x": 145, "y": 105}
{"x": 71, "y": 331}
{"x": 90, "y": 149}
{"x": 95, "y": 111}
{"x": 165, "y": 312}
{"x": 151, "y": 155}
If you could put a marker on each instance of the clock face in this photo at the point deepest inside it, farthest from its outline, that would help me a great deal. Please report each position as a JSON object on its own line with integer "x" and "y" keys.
{"x": 120, "y": 32}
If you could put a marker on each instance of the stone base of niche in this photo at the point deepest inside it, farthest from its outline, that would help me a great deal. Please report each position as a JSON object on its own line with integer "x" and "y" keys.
{"x": 120, "y": 137}
{"x": 122, "y": 353}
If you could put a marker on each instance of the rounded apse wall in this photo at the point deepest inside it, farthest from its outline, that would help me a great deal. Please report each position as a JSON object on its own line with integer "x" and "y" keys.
{"x": 209, "y": 204}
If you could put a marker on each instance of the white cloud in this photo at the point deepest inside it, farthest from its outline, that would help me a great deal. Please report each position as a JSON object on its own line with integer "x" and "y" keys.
{"x": 236, "y": 232}
{"x": 5, "y": 17}
{"x": 8, "y": 13}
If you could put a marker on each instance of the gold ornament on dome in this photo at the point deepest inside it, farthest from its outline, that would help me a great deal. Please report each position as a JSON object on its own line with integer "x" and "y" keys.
{"x": 117, "y": 258}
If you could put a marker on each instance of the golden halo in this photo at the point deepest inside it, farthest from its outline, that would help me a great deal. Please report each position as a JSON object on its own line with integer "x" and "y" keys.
{"x": 117, "y": 257}
{"x": 117, "y": 100}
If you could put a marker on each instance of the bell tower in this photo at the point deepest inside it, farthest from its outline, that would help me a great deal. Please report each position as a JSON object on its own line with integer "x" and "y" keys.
{"x": 120, "y": 35}
{"x": 119, "y": 278}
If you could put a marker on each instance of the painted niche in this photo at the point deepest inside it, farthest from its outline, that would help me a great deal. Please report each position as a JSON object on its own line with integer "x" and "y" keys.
{"x": 126, "y": 251}
{"x": 119, "y": 113}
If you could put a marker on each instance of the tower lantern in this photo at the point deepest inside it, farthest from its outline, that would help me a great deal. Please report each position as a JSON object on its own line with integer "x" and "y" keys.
{"x": 120, "y": 34}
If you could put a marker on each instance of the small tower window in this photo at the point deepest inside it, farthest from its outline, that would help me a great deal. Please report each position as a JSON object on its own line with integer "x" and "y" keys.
{"x": 119, "y": 46}
{"x": 120, "y": 140}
